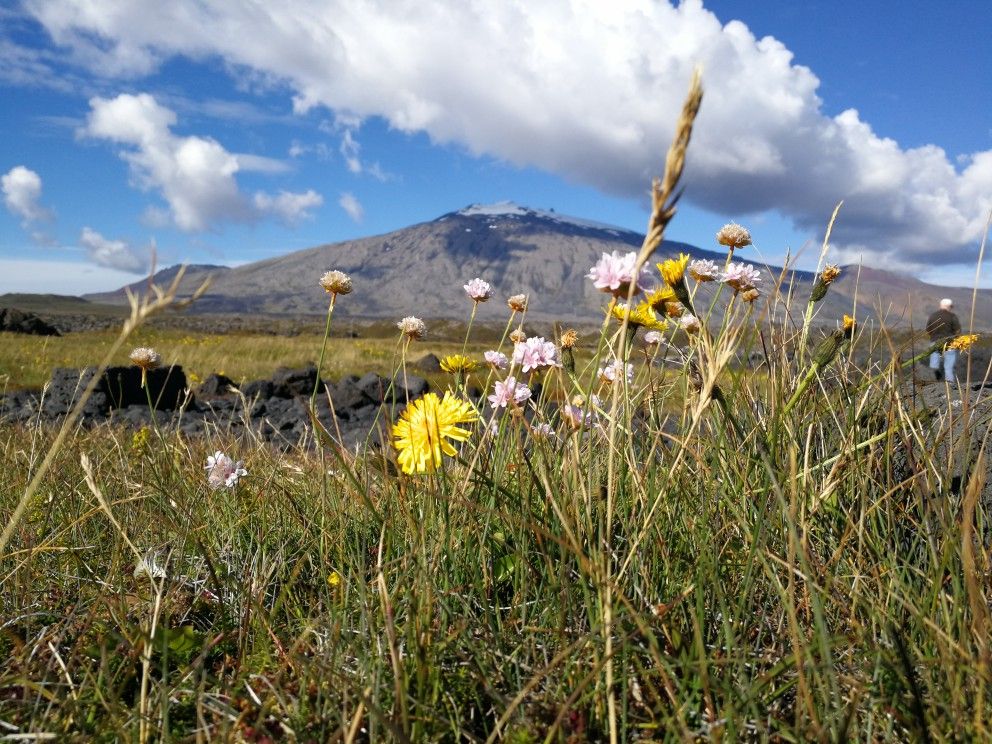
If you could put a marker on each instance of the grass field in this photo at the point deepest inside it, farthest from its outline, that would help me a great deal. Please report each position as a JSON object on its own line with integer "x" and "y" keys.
{"x": 792, "y": 551}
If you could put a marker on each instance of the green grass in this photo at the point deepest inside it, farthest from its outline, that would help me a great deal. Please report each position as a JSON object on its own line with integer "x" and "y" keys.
{"x": 777, "y": 554}
{"x": 794, "y": 588}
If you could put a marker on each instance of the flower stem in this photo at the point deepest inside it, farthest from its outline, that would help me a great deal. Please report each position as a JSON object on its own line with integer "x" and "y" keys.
{"x": 323, "y": 348}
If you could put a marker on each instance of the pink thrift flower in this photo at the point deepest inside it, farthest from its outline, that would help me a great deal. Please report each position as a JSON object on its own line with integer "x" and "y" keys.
{"x": 614, "y": 273}
{"x": 578, "y": 417}
{"x": 509, "y": 391}
{"x": 535, "y": 353}
{"x": 741, "y": 276}
{"x": 652, "y": 338}
{"x": 223, "y": 471}
{"x": 496, "y": 359}
{"x": 479, "y": 290}
{"x": 611, "y": 372}
{"x": 703, "y": 270}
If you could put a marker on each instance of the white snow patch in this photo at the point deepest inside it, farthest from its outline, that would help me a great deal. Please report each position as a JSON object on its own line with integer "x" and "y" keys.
{"x": 513, "y": 210}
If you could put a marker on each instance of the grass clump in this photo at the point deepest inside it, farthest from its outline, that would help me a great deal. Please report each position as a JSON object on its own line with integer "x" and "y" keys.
{"x": 728, "y": 532}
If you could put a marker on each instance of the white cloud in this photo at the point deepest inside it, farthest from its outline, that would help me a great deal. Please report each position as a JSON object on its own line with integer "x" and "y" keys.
{"x": 59, "y": 277}
{"x": 21, "y": 189}
{"x": 289, "y": 207}
{"x": 195, "y": 175}
{"x": 583, "y": 88}
{"x": 352, "y": 206}
{"x": 115, "y": 254}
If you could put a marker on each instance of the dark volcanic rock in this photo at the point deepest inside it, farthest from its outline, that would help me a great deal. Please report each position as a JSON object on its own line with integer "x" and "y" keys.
{"x": 215, "y": 386}
{"x": 428, "y": 363}
{"x": 166, "y": 387}
{"x": 18, "y": 321}
{"x": 65, "y": 388}
{"x": 278, "y": 410}
{"x": 289, "y": 383}
{"x": 260, "y": 389}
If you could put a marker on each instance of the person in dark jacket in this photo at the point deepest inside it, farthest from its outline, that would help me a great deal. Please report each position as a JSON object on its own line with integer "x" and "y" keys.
{"x": 942, "y": 326}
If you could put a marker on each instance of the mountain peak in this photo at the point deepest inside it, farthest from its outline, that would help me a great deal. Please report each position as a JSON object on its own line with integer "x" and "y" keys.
{"x": 511, "y": 210}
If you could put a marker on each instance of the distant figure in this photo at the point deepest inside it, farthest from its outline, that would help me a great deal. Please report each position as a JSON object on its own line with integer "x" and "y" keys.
{"x": 943, "y": 325}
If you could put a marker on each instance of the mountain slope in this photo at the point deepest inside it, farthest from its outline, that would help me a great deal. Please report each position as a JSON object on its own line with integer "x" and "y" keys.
{"x": 420, "y": 270}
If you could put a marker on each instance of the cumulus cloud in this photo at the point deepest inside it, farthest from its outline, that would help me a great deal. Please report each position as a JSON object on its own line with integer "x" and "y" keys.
{"x": 582, "y": 88}
{"x": 352, "y": 206}
{"x": 287, "y": 206}
{"x": 195, "y": 175}
{"x": 21, "y": 189}
{"x": 115, "y": 254}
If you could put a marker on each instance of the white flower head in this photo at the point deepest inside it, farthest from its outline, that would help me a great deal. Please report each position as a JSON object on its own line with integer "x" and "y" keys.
{"x": 148, "y": 568}
{"x": 612, "y": 371}
{"x": 222, "y": 471}
{"x": 411, "y": 327}
{"x": 478, "y": 290}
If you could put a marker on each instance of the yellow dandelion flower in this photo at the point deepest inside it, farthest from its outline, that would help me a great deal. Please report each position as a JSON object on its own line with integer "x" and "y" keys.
{"x": 334, "y": 579}
{"x": 642, "y": 315}
{"x": 673, "y": 270}
{"x": 963, "y": 343}
{"x": 425, "y": 426}
{"x": 660, "y": 297}
{"x": 458, "y": 364}
{"x": 849, "y": 324}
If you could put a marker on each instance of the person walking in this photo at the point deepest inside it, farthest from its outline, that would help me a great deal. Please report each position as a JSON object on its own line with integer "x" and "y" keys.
{"x": 942, "y": 326}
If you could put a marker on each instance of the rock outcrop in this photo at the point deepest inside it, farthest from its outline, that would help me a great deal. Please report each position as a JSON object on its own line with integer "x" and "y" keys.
{"x": 275, "y": 409}
{"x": 13, "y": 320}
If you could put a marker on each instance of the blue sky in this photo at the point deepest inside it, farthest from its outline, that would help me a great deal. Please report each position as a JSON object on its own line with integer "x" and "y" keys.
{"x": 218, "y": 132}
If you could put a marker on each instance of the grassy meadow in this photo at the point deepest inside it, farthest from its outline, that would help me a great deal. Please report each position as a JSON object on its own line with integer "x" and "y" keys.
{"x": 745, "y": 535}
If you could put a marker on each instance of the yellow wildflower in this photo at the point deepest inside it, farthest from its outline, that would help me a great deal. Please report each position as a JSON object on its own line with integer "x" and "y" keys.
{"x": 963, "y": 343}
{"x": 673, "y": 270}
{"x": 425, "y": 426}
{"x": 641, "y": 315}
{"x": 458, "y": 364}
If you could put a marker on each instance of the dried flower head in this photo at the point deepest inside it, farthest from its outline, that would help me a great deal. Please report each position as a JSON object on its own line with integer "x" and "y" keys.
{"x": 823, "y": 281}
{"x": 517, "y": 303}
{"x": 964, "y": 342}
{"x": 336, "y": 283}
{"x": 750, "y": 295}
{"x": 569, "y": 338}
{"x": 704, "y": 270}
{"x": 733, "y": 236}
{"x": 478, "y": 290}
{"x": 145, "y": 358}
{"x": 223, "y": 471}
{"x": 425, "y": 426}
{"x": 456, "y": 364}
{"x": 690, "y": 323}
{"x": 518, "y": 336}
{"x": 411, "y": 327}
